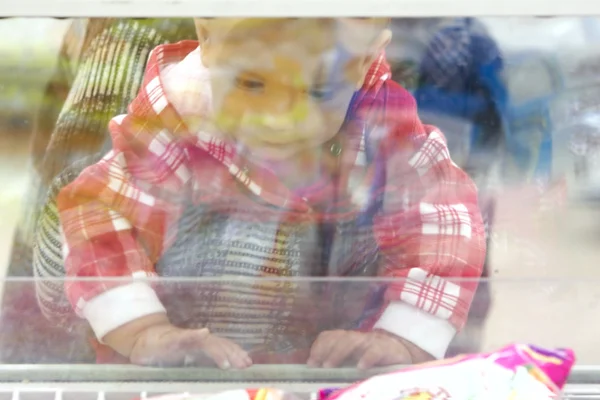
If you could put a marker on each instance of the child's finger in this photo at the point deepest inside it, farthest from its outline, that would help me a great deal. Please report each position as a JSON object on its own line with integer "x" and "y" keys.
{"x": 371, "y": 357}
{"x": 343, "y": 348}
{"x": 317, "y": 351}
{"x": 321, "y": 346}
{"x": 218, "y": 352}
{"x": 237, "y": 356}
{"x": 182, "y": 346}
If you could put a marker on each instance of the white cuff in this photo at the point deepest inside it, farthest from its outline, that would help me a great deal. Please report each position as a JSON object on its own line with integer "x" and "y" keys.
{"x": 430, "y": 333}
{"x": 116, "y": 307}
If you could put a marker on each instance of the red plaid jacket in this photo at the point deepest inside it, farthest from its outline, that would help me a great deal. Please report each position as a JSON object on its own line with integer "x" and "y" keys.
{"x": 118, "y": 214}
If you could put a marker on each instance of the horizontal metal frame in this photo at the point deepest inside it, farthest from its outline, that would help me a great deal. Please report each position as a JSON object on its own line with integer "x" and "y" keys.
{"x": 580, "y": 375}
{"x": 294, "y": 8}
{"x": 130, "y": 373}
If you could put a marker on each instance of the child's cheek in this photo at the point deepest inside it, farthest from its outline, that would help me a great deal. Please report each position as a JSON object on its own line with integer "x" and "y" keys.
{"x": 226, "y": 110}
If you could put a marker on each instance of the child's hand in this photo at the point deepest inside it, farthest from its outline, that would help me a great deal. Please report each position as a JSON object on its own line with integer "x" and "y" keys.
{"x": 169, "y": 345}
{"x": 366, "y": 349}
{"x": 152, "y": 340}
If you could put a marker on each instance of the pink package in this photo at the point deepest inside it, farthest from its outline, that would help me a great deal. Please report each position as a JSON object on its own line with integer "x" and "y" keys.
{"x": 517, "y": 372}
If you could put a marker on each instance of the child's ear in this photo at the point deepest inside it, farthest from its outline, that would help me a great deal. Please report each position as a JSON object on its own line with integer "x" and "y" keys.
{"x": 204, "y": 38}
{"x": 382, "y": 40}
{"x": 379, "y": 44}
{"x": 201, "y": 29}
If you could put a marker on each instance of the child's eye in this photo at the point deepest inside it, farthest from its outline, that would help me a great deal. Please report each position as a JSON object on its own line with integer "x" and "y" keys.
{"x": 253, "y": 85}
{"x": 321, "y": 93}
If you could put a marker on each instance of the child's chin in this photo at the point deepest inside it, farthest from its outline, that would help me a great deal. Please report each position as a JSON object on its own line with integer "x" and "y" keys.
{"x": 274, "y": 154}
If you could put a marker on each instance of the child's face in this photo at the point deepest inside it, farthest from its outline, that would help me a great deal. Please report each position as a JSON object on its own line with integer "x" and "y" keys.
{"x": 282, "y": 86}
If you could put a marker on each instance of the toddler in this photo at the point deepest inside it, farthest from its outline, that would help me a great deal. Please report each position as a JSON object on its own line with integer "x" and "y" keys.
{"x": 273, "y": 148}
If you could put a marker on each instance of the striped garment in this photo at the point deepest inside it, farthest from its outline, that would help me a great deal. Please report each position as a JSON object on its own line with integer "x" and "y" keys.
{"x": 99, "y": 72}
{"x": 170, "y": 201}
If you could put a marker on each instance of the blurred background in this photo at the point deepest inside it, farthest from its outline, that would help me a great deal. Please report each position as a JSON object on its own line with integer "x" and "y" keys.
{"x": 29, "y": 49}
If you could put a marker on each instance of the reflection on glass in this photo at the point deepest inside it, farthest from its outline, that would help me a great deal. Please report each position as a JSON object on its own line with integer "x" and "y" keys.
{"x": 321, "y": 192}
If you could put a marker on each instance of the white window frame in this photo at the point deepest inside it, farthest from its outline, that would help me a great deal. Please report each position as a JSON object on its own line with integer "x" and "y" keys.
{"x": 295, "y": 8}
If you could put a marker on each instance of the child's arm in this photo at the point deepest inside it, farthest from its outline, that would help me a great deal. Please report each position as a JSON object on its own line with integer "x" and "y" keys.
{"x": 433, "y": 241}
{"x": 431, "y": 238}
{"x": 430, "y": 233}
{"x": 115, "y": 217}
{"x": 152, "y": 340}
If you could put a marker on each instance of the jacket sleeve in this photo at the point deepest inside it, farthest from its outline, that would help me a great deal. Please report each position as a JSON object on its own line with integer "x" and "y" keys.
{"x": 115, "y": 219}
{"x": 430, "y": 233}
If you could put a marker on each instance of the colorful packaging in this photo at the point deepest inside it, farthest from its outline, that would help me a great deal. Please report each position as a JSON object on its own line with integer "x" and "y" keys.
{"x": 517, "y": 372}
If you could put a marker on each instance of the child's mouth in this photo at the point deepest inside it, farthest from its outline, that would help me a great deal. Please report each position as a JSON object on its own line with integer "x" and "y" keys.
{"x": 281, "y": 145}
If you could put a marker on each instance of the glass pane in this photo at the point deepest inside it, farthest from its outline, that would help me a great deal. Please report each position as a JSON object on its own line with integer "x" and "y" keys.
{"x": 277, "y": 321}
{"x": 433, "y": 179}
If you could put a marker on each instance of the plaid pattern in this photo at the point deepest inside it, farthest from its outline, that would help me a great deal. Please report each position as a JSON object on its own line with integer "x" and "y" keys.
{"x": 120, "y": 215}
{"x": 456, "y": 53}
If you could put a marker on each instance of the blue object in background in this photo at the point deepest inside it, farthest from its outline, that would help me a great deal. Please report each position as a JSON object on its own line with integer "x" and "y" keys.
{"x": 483, "y": 99}
{"x": 460, "y": 79}
{"x": 536, "y": 80}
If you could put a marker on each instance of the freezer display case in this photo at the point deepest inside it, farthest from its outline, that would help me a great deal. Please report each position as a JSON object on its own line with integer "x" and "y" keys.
{"x": 201, "y": 196}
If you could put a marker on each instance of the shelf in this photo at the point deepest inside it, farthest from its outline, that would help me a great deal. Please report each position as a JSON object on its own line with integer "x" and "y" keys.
{"x": 77, "y": 373}
{"x": 131, "y": 373}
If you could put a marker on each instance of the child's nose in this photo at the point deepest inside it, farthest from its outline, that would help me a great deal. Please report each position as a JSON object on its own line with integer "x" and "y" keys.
{"x": 285, "y": 118}
{"x": 285, "y": 99}
{"x": 278, "y": 122}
